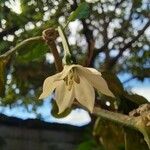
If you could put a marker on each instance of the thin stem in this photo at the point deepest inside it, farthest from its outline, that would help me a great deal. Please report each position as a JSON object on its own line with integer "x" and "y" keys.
{"x": 18, "y": 47}
{"x": 132, "y": 122}
{"x": 115, "y": 117}
{"x": 50, "y": 35}
{"x": 67, "y": 53}
{"x": 58, "y": 61}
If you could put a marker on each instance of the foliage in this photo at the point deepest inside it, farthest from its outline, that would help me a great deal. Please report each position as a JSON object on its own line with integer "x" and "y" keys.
{"x": 82, "y": 12}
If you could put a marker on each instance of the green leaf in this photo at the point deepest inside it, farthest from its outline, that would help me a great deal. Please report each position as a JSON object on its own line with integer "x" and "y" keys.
{"x": 32, "y": 52}
{"x": 2, "y": 77}
{"x": 111, "y": 134}
{"x": 54, "y": 111}
{"x": 89, "y": 145}
{"x": 113, "y": 82}
{"x": 138, "y": 99}
{"x": 81, "y": 12}
{"x": 134, "y": 140}
{"x": 130, "y": 101}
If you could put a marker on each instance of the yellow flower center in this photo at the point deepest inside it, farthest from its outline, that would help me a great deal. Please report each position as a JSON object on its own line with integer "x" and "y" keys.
{"x": 71, "y": 78}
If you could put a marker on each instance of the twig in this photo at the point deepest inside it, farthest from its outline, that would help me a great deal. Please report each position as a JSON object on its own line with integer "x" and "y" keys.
{"x": 128, "y": 80}
{"x": 126, "y": 46}
{"x": 139, "y": 120}
{"x": 90, "y": 52}
{"x": 18, "y": 47}
{"x": 118, "y": 4}
{"x": 50, "y": 35}
{"x": 91, "y": 43}
{"x": 115, "y": 117}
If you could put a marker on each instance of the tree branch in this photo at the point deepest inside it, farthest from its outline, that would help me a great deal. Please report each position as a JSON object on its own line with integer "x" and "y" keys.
{"x": 115, "y": 117}
{"x": 118, "y": 4}
{"x": 138, "y": 119}
{"x": 91, "y": 43}
{"x": 16, "y": 48}
{"x": 50, "y": 35}
{"x": 128, "y": 80}
{"x": 113, "y": 61}
{"x": 101, "y": 49}
{"x": 140, "y": 74}
{"x": 89, "y": 37}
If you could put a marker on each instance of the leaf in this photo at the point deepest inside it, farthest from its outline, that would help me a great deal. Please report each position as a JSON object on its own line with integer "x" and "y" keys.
{"x": 55, "y": 111}
{"x": 32, "y": 52}
{"x": 2, "y": 77}
{"x": 138, "y": 99}
{"x": 113, "y": 82}
{"x": 130, "y": 101}
{"x": 81, "y": 12}
{"x": 110, "y": 134}
{"x": 134, "y": 140}
{"x": 126, "y": 101}
{"x": 89, "y": 145}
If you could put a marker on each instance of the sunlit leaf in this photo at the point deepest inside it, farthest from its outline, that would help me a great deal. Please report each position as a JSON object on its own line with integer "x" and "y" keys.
{"x": 81, "y": 12}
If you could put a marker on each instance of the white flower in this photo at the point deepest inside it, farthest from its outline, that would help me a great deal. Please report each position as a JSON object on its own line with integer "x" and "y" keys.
{"x": 91, "y": 1}
{"x": 75, "y": 82}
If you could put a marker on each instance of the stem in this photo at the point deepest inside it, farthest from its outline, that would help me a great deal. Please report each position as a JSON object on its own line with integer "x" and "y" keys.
{"x": 115, "y": 117}
{"x": 132, "y": 122}
{"x": 18, "y": 47}
{"x": 67, "y": 53}
{"x": 50, "y": 35}
{"x": 58, "y": 61}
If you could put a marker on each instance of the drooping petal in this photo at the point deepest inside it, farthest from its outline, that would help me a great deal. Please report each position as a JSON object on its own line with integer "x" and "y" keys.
{"x": 96, "y": 81}
{"x": 64, "y": 97}
{"x": 84, "y": 93}
{"x": 93, "y": 71}
{"x": 49, "y": 85}
{"x": 87, "y": 70}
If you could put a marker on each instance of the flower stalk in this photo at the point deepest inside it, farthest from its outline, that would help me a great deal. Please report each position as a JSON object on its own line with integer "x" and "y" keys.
{"x": 18, "y": 47}
{"x": 50, "y": 35}
{"x": 67, "y": 59}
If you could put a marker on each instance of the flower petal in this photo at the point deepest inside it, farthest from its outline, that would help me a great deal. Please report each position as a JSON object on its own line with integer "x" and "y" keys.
{"x": 94, "y": 77}
{"x": 49, "y": 85}
{"x": 66, "y": 70}
{"x": 87, "y": 70}
{"x": 64, "y": 97}
{"x": 84, "y": 93}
